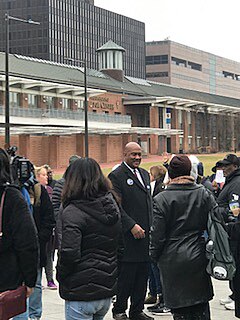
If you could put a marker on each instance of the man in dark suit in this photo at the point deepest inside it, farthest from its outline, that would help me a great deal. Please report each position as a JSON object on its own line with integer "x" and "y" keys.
{"x": 132, "y": 185}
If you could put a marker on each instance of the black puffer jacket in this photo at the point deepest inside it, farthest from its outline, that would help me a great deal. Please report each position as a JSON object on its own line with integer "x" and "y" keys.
{"x": 87, "y": 265}
{"x": 56, "y": 197}
{"x": 19, "y": 244}
{"x": 177, "y": 243}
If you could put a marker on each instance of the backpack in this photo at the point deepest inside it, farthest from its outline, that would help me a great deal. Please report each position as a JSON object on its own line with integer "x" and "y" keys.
{"x": 221, "y": 264}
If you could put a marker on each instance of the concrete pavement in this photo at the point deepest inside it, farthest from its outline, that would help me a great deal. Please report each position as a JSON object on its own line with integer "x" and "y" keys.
{"x": 53, "y": 305}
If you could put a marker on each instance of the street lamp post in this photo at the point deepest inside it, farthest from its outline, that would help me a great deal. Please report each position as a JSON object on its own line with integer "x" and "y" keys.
{"x": 85, "y": 104}
{"x": 7, "y": 111}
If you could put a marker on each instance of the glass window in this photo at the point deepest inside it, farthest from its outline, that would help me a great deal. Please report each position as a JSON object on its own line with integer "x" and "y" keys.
{"x": 157, "y": 74}
{"x": 162, "y": 59}
{"x": 14, "y": 99}
{"x": 179, "y": 62}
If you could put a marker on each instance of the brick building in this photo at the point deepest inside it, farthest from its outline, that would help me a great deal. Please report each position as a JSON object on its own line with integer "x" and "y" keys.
{"x": 47, "y": 116}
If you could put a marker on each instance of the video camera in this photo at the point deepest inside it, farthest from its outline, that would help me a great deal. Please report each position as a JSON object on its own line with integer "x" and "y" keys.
{"x": 22, "y": 168}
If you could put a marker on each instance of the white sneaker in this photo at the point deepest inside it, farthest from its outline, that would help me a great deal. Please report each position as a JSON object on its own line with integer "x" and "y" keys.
{"x": 230, "y": 306}
{"x": 225, "y": 301}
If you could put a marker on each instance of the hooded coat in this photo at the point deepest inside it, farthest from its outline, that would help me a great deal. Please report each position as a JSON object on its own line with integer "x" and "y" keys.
{"x": 87, "y": 265}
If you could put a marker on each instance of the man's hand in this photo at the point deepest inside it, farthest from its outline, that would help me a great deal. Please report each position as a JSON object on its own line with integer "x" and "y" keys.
{"x": 138, "y": 232}
{"x": 29, "y": 291}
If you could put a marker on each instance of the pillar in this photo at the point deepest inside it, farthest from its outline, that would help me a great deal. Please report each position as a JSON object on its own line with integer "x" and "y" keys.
{"x": 23, "y": 100}
{"x": 24, "y": 145}
{"x": 73, "y": 105}
{"x": 174, "y": 125}
{"x": 154, "y": 123}
{"x": 53, "y": 151}
{"x": 80, "y": 147}
{"x": 104, "y": 148}
{"x": 193, "y": 131}
{"x": 185, "y": 131}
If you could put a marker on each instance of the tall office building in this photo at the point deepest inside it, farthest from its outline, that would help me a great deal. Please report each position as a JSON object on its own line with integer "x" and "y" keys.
{"x": 189, "y": 68}
{"x": 72, "y": 30}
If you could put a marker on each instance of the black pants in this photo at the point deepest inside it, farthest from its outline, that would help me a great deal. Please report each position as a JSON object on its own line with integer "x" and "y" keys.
{"x": 132, "y": 282}
{"x": 197, "y": 312}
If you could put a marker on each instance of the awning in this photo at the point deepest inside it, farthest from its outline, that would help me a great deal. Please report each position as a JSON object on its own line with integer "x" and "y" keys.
{"x": 48, "y": 88}
{"x": 46, "y": 130}
{"x": 183, "y": 104}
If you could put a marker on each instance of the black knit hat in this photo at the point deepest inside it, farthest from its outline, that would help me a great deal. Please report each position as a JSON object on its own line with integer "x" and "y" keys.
{"x": 179, "y": 166}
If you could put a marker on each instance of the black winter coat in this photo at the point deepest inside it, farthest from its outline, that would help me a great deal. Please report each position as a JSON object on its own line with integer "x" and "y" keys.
{"x": 45, "y": 222}
{"x": 87, "y": 265}
{"x": 136, "y": 204}
{"x": 19, "y": 244}
{"x": 231, "y": 186}
{"x": 179, "y": 218}
{"x": 57, "y": 197}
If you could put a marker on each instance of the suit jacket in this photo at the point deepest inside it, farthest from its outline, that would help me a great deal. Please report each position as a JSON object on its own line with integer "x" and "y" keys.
{"x": 136, "y": 207}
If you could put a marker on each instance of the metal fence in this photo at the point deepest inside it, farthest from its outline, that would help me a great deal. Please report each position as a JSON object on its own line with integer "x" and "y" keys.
{"x": 65, "y": 114}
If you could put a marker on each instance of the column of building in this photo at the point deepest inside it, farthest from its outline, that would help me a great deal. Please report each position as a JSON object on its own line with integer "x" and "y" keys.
{"x": 154, "y": 123}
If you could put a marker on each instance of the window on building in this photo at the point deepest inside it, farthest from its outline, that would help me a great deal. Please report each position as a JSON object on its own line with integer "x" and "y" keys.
{"x": 32, "y": 101}
{"x": 179, "y": 62}
{"x": 162, "y": 59}
{"x": 199, "y": 142}
{"x": 140, "y": 120}
{"x": 157, "y": 74}
{"x": 80, "y": 104}
{"x": 65, "y": 103}
{"x": 194, "y": 66}
{"x": 180, "y": 120}
{"x": 227, "y": 74}
{"x": 14, "y": 99}
{"x": 189, "y": 143}
{"x": 189, "y": 120}
{"x": 180, "y": 143}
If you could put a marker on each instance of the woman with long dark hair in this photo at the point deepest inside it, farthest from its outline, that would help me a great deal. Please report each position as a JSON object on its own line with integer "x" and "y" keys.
{"x": 87, "y": 265}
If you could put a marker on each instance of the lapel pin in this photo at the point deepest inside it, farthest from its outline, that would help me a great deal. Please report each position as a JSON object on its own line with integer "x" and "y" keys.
{"x": 130, "y": 182}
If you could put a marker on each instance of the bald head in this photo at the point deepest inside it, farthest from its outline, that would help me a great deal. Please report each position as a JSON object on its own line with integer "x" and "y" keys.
{"x": 133, "y": 154}
{"x": 131, "y": 145}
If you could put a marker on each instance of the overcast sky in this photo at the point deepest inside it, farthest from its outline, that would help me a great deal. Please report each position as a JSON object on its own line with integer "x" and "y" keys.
{"x": 208, "y": 25}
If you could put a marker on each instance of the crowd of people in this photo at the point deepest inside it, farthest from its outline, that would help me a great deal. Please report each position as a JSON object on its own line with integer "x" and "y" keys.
{"x": 134, "y": 235}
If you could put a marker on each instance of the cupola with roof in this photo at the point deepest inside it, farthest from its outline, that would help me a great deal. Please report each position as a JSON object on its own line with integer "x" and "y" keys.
{"x": 110, "y": 57}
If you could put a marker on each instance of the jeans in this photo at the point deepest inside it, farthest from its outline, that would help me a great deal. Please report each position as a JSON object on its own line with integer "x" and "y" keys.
{"x": 84, "y": 310}
{"x": 34, "y": 303}
{"x": 155, "y": 286}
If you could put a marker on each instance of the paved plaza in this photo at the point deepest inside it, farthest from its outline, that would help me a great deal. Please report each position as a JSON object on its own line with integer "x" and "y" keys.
{"x": 53, "y": 305}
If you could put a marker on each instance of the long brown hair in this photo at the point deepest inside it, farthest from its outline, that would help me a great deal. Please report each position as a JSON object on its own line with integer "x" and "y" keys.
{"x": 84, "y": 180}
